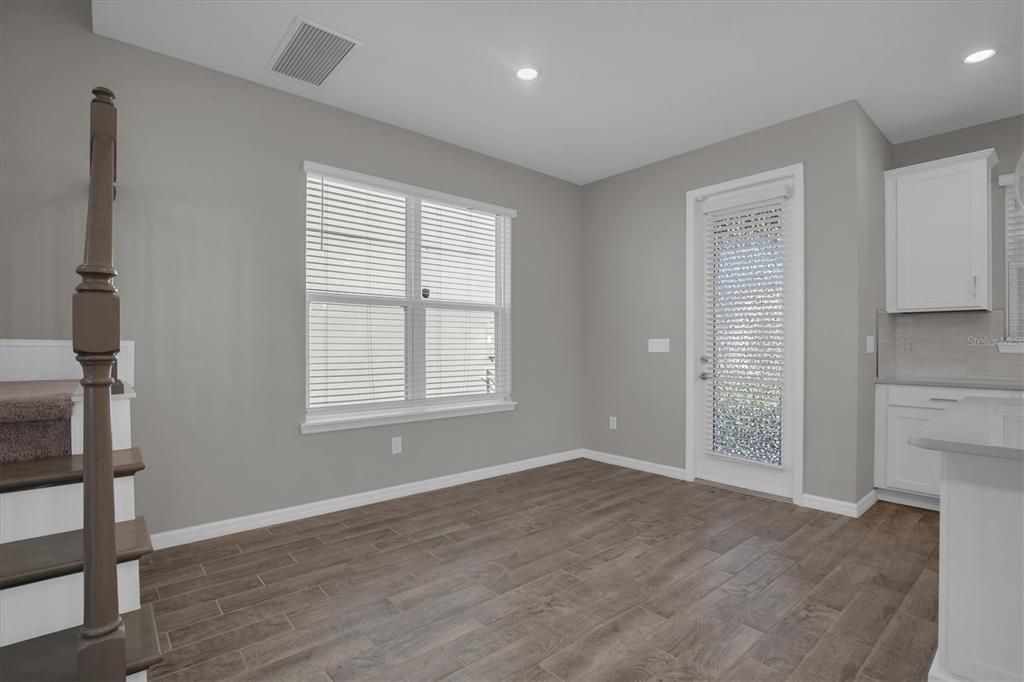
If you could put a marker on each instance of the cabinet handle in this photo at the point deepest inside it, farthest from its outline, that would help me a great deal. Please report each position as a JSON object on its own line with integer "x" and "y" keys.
{"x": 974, "y": 286}
{"x": 945, "y": 400}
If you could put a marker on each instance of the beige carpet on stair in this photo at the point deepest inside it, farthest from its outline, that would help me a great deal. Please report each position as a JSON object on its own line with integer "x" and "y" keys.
{"x": 35, "y": 419}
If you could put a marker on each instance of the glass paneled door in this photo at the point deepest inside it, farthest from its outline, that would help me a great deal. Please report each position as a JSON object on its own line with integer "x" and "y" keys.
{"x": 745, "y": 328}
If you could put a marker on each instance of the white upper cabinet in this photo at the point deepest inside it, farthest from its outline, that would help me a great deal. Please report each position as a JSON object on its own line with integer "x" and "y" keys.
{"x": 938, "y": 226}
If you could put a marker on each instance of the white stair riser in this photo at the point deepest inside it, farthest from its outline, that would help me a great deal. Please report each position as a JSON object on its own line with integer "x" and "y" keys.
{"x": 44, "y": 511}
{"x": 40, "y": 359}
{"x": 120, "y": 424}
{"x": 140, "y": 676}
{"x": 46, "y": 606}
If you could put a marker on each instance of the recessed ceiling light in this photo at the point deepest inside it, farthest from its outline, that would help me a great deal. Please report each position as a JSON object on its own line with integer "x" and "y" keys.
{"x": 528, "y": 73}
{"x": 979, "y": 56}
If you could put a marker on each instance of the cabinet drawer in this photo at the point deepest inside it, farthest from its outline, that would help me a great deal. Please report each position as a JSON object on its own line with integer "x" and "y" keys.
{"x": 939, "y": 397}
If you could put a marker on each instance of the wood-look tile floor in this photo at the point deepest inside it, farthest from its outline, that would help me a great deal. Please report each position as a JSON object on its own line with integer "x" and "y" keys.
{"x": 576, "y": 571}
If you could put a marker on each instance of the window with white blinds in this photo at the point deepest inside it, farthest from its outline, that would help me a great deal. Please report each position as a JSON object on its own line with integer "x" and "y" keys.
{"x": 1014, "y": 268}
{"x": 745, "y": 319}
{"x": 408, "y": 300}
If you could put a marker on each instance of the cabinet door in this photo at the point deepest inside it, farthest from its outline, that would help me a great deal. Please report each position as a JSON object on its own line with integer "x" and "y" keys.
{"x": 907, "y": 466}
{"x": 939, "y": 238}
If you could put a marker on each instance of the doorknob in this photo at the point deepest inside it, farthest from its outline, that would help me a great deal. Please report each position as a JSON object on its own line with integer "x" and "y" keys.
{"x": 704, "y": 376}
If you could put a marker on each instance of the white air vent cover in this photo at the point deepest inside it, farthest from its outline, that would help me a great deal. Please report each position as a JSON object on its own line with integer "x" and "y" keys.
{"x": 310, "y": 53}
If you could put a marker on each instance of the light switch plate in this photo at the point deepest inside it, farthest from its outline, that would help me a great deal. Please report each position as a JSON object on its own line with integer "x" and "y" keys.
{"x": 869, "y": 344}
{"x": 613, "y": 423}
{"x": 657, "y": 345}
{"x": 396, "y": 445}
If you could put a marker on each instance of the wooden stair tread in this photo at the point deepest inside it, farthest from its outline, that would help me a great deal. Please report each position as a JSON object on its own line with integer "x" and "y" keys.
{"x": 50, "y": 556}
{"x": 54, "y": 657}
{"x": 38, "y": 473}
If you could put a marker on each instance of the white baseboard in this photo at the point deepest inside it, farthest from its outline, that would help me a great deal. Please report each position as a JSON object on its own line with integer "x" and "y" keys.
{"x": 938, "y": 673}
{"x": 867, "y": 502}
{"x": 638, "y": 464}
{"x": 909, "y": 499}
{"x": 854, "y": 509}
{"x": 238, "y": 524}
{"x": 828, "y": 504}
{"x": 214, "y": 529}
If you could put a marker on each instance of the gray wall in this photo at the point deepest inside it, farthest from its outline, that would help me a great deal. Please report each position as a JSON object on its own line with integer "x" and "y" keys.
{"x": 210, "y": 252}
{"x": 1006, "y": 136}
{"x": 210, "y": 249}
{"x": 634, "y": 282}
{"x": 874, "y": 156}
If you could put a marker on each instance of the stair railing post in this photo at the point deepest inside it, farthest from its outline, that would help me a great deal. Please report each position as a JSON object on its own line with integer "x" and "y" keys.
{"x": 96, "y": 334}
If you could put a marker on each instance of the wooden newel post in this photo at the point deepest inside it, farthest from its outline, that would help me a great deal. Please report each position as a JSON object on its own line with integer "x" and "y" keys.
{"x": 96, "y": 334}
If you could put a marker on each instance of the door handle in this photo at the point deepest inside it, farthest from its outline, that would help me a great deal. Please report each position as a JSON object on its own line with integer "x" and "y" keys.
{"x": 704, "y": 376}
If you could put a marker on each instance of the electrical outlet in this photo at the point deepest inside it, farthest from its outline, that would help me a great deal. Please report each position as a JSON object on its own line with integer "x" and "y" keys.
{"x": 396, "y": 445}
{"x": 613, "y": 423}
{"x": 657, "y": 345}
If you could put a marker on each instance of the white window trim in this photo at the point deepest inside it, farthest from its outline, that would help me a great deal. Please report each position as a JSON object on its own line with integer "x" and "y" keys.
{"x": 353, "y": 419}
{"x": 402, "y": 188}
{"x": 323, "y": 419}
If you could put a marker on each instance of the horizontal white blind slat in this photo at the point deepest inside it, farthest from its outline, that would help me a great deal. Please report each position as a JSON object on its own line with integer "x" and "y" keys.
{"x": 460, "y": 353}
{"x": 356, "y": 353}
{"x": 355, "y": 239}
{"x": 459, "y": 257}
{"x": 408, "y": 298}
{"x": 1014, "y": 266}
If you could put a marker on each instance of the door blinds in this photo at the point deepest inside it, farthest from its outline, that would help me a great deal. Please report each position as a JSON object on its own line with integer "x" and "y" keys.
{"x": 1014, "y": 267}
{"x": 745, "y": 324}
{"x": 407, "y": 298}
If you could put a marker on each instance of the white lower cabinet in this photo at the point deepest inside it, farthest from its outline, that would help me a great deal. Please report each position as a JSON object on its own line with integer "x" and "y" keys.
{"x": 908, "y": 467}
{"x": 903, "y": 472}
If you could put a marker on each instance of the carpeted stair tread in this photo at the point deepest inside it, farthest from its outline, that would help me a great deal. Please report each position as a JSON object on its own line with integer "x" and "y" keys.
{"x": 51, "y": 556}
{"x": 54, "y": 657}
{"x": 35, "y": 419}
{"x": 39, "y": 473}
{"x": 23, "y": 401}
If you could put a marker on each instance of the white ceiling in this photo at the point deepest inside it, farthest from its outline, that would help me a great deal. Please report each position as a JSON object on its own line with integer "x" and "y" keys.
{"x": 624, "y": 83}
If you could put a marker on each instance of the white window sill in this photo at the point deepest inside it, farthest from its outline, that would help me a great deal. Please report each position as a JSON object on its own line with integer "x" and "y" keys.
{"x": 399, "y": 415}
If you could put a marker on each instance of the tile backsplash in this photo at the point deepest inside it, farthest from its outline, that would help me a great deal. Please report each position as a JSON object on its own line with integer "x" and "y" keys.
{"x": 957, "y": 347}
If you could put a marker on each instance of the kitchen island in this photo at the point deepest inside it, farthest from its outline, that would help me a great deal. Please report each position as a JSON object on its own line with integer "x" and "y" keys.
{"x": 981, "y": 538}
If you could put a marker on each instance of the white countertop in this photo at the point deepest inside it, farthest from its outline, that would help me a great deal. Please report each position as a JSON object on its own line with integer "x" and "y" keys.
{"x": 992, "y": 427}
{"x": 987, "y": 384}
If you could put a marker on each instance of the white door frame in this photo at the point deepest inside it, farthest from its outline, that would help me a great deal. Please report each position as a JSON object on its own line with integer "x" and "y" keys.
{"x": 793, "y": 401}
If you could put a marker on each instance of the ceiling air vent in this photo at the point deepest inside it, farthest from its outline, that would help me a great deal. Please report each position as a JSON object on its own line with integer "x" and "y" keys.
{"x": 311, "y": 53}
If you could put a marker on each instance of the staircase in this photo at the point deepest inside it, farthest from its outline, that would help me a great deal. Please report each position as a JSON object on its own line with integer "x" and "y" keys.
{"x": 70, "y": 541}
